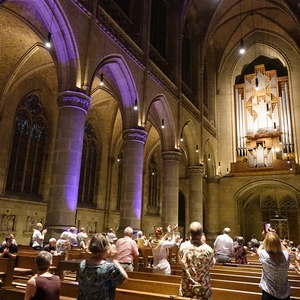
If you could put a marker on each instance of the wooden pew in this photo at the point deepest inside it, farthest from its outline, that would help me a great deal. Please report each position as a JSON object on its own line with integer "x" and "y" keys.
{"x": 25, "y": 265}
{"x": 131, "y": 290}
{"x": 227, "y": 282}
{"x": 68, "y": 265}
{"x": 6, "y": 271}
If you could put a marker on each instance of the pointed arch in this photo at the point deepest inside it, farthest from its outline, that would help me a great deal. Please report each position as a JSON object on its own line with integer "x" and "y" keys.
{"x": 119, "y": 81}
{"x": 159, "y": 111}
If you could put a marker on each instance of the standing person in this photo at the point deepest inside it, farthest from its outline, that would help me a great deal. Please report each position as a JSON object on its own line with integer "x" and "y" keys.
{"x": 38, "y": 237}
{"x": 99, "y": 275}
{"x": 44, "y": 285}
{"x": 127, "y": 250}
{"x": 72, "y": 237}
{"x": 160, "y": 246}
{"x": 223, "y": 247}
{"x": 275, "y": 262}
{"x": 197, "y": 258}
{"x": 82, "y": 236}
{"x": 63, "y": 245}
{"x": 8, "y": 249}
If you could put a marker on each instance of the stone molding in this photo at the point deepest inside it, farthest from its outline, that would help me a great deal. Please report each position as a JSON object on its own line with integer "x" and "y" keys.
{"x": 74, "y": 99}
{"x": 196, "y": 170}
{"x": 138, "y": 135}
{"x": 171, "y": 155}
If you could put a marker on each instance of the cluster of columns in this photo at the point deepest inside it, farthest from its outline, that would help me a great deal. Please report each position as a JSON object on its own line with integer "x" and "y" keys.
{"x": 65, "y": 175}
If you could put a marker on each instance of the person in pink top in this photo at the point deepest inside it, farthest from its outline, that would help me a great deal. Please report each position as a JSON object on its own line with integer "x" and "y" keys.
{"x": 127, "y": 250}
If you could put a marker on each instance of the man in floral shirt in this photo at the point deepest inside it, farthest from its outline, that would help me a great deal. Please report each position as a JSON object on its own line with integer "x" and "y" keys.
{"x": 197, "y": 258}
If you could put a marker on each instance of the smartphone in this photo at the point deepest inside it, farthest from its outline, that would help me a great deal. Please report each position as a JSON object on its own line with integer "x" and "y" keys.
{"x": 266, "y": 227}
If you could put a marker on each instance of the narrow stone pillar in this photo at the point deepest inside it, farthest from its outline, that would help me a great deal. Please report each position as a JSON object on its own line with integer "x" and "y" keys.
{"x": 63, "y": 194}
{"x": 212, "y": 214}
{"x": 170, "y": 188}
{"x": 195, "y": 174}
{"x": 132, "y": 179}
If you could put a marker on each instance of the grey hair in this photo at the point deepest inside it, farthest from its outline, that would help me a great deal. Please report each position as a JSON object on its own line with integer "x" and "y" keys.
{"x": 43, "y": 260}
{"x": 128, "y": 231}
{"x": 227, "y": 230}
{"x": 64, "y": 235}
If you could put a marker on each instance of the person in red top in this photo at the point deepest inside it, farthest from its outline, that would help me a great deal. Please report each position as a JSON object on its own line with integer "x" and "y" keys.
{"x": 127, "y": 249}
{"x": 43, "y": 285}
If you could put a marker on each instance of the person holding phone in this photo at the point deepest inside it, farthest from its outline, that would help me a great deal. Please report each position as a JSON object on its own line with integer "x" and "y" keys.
{"x": 275, "y": 261}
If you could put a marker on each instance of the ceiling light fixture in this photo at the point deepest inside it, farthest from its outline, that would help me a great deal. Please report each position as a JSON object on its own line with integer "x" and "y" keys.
{"x": 101, "y": 80}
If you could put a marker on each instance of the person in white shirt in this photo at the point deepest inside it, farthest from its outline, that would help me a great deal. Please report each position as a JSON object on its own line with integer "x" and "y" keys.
{"x": 72, "y": 236}
{"x": 223, "y": 247}
{"x": 38, "y": 237}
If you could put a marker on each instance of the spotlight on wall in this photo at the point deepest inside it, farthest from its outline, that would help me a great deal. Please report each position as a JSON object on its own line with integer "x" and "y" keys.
{"x": 242, "y": 46}
{"x": 135, "y": 105}
{"x": 197, "y": 148}
{"x": 181, "y": 137}
{"x": 101, "y": 79}
{"x": 118, "y": 159}
{"x": 162, "y": 123}
{"x": 208, "y": 157}
{"x": 219, "y": 165}
{"x": 227, "y": 171}
{"x": 275, "y": 127}
{"x": 48, "y": 42}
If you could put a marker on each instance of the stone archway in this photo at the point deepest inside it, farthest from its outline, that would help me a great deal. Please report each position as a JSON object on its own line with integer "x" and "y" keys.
{"x": 272, "y": 202}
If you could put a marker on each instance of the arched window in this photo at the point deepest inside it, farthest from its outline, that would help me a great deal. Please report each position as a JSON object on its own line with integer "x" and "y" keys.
{"x": 153, "y": 207}
{"x": 158, "y": 34}
{"x": 186, "y": 55}
{"x": 153, "y": 191}
{"x": 89, "y": 160}
{"x": 28, "y": 148}
{"x": 269, "y": 208}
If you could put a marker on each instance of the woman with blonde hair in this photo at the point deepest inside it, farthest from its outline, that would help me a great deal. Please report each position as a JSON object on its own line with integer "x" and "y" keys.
{"x": 275, "y": 262}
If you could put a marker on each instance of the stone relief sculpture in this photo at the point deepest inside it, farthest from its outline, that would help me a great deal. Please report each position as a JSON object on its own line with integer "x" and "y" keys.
{"x": 7, "y": 222}
{"x": 91, "y": 227}
{"x": 31, "y": 222}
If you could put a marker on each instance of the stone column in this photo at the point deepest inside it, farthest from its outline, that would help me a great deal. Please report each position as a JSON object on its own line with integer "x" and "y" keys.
{"x": 195, "y": 174}
{"x": 170, "y": 188}
{"x": 63, "y": 193}
{"x": 212, "y": 213}
{"x": 132, "y": 179}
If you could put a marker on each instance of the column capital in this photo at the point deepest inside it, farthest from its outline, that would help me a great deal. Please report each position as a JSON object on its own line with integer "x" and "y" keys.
{"x": 138, "y": 135}
{"x": 171, "y": 155}
{"x": 196, "y": 170}
{"x": 74, "y": 99}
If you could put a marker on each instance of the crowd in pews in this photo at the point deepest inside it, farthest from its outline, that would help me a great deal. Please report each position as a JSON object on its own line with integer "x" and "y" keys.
{"x": 222, "y": 280}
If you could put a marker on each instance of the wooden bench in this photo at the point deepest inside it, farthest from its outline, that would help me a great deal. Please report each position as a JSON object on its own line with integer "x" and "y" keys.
{"x": 68, "y": 265}
{"x": 6, "y": 271}
{"x": 226, "y": 281}
{"x": 25, "y": 265}
{"x": 135, "y": 289}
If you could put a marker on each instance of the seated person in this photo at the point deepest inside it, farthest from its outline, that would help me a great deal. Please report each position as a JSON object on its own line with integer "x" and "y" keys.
{"x": 51, "y": 247}
{"x": 13, "y": 240}
{"x": 8, "y": 249}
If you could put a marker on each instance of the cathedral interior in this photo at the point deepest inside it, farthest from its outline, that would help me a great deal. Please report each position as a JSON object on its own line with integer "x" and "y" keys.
{"x": 145, "y": 113}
